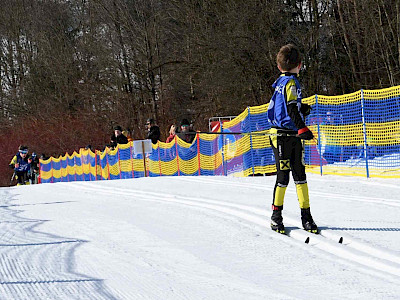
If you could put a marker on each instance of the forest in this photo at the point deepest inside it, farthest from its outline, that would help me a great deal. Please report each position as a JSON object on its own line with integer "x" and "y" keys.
{"x": 70, "y": 70}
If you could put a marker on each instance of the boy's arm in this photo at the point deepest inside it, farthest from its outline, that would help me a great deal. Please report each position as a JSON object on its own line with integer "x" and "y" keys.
{"x": 13, "y": 162}
{"x": 293, "y": 111}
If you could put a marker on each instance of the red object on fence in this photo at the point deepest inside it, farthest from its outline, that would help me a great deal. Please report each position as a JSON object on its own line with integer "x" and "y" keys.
{"x": 215, "y": 126}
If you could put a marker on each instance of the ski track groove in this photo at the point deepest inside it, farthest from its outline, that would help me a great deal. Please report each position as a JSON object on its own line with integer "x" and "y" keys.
{"x": 364, "y": 257}
{"x": 35, "y": 265}
{"x": 337, "y": 196}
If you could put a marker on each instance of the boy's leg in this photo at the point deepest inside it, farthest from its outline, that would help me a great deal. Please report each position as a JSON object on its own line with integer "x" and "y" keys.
{"x": 20, "y": 177}
{"x": 282, "y": 159}
{"x": 26, "y": 178}
{"x": 300, "y": 179}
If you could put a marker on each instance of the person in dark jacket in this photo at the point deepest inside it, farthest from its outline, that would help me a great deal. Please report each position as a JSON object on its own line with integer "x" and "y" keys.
{"x": 153, "y": 131}
{"x": 21, "y": 165}
{"x": 186, "y": 134}
{"x": 34, "y": 173}
{"x": 118, "y": 137}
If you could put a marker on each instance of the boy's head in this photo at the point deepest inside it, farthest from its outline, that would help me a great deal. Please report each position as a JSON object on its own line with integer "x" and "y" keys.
{"x": 288, "y": 58}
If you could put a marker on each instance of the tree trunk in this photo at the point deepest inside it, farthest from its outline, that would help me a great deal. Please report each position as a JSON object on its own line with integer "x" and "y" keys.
{"x": 347, "y": 42}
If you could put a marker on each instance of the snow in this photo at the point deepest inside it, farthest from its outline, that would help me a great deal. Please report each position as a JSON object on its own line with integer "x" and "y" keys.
{"x": 198, "y": 238}
{"x": 390, "y": 161}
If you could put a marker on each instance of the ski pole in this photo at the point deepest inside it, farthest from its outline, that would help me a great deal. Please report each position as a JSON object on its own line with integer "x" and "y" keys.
{"x": 12, "y": 179}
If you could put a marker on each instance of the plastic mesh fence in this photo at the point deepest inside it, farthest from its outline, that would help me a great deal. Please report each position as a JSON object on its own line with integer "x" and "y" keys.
{"x": 356, "y": 134}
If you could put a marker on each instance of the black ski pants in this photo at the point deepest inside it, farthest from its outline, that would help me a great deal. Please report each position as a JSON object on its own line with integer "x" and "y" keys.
{"x": 289, "y": 156}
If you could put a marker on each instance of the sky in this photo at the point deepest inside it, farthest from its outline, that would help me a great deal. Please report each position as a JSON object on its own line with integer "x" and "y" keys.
{"x": 199, "y": 238}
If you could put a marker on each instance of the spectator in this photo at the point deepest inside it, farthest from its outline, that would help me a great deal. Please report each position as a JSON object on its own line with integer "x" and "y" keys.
{"x": 172, "y": 133}
{"x": 34, "y": 168}
{"x": 128, "y": 134}
{"x": 21, "y": 165}
{"x": 153, "y": 131}
{"x": 118, "y": 137}
{"x": 44, "y": 157}
{"x": 185, "y": 133}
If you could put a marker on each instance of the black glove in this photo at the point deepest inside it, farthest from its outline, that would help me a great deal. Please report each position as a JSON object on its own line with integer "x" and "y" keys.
{"x": 305, "y": 109}
{"x": 305, "y": 134}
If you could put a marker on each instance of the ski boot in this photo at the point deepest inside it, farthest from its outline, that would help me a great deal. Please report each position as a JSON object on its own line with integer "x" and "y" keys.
{"x": 277, "y": 220}
{"x": 307, "y": 220}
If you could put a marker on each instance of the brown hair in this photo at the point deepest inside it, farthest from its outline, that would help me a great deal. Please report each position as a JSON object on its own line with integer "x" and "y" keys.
{"x": 288, "y": 57}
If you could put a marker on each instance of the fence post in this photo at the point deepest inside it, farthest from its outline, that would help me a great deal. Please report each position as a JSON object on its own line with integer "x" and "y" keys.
{"x": 90, "y": 164}
{"x": 108, "y": 164}
{"x": 224, "y": 164}
{"x": 61, "y": 168}
{"x": 215, "y": 154}
{"x": 319, "y": 135}
{"x": 119, "y": 164}
{"x": 177, "y": 154}
{"x": 52, "y": 172}
{"x": 74, "y": 165}
{"x": 83, "y": 171}
{"x": 95, "y": 164}
{"x": 251, "y": 141}
{"x": 198, "y": 152}
{"x": 364, "y": 131}
{"x": 40, "y": 172}
{"x": 159, "y": 157}
{"x": 67, "y": 158}
{"x": 130, "y": 149}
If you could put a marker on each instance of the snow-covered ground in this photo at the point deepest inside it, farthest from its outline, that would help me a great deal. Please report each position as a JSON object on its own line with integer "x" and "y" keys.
{"x": 198, "y": 238}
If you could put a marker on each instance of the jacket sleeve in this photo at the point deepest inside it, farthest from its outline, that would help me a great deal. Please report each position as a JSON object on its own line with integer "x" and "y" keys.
{"x": 13, "y": 162}
{"x": 294, "y": 114}
{"x": 291, "y": 101}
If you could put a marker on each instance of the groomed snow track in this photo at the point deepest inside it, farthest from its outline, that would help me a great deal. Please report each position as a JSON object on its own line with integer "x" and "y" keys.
{"x": 35, "y": 264}
{"x": 372, "y": 260}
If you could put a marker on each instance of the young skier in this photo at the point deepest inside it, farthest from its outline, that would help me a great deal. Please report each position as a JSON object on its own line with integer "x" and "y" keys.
{"x": 286, "y": 113}
{"x": 21, "y": 165}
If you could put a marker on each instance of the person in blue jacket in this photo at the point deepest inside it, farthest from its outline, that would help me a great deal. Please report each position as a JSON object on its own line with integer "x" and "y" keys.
{"x": 21, "y": 165}
{"x": 286, "y": 114}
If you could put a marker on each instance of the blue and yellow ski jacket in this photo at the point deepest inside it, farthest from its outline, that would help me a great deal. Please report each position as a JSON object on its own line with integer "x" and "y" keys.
{"x": 287, "y": 91}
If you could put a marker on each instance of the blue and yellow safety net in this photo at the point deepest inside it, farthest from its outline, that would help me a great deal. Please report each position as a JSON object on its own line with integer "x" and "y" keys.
{"x": 356, "y": 134}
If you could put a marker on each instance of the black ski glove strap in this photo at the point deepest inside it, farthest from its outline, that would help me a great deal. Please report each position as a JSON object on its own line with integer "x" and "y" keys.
{"x": 305, "y": 134}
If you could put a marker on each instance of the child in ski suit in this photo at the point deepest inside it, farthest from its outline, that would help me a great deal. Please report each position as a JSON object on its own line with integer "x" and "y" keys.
{"x": 286, "y": 113}
{"x": 21, "y": 165}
